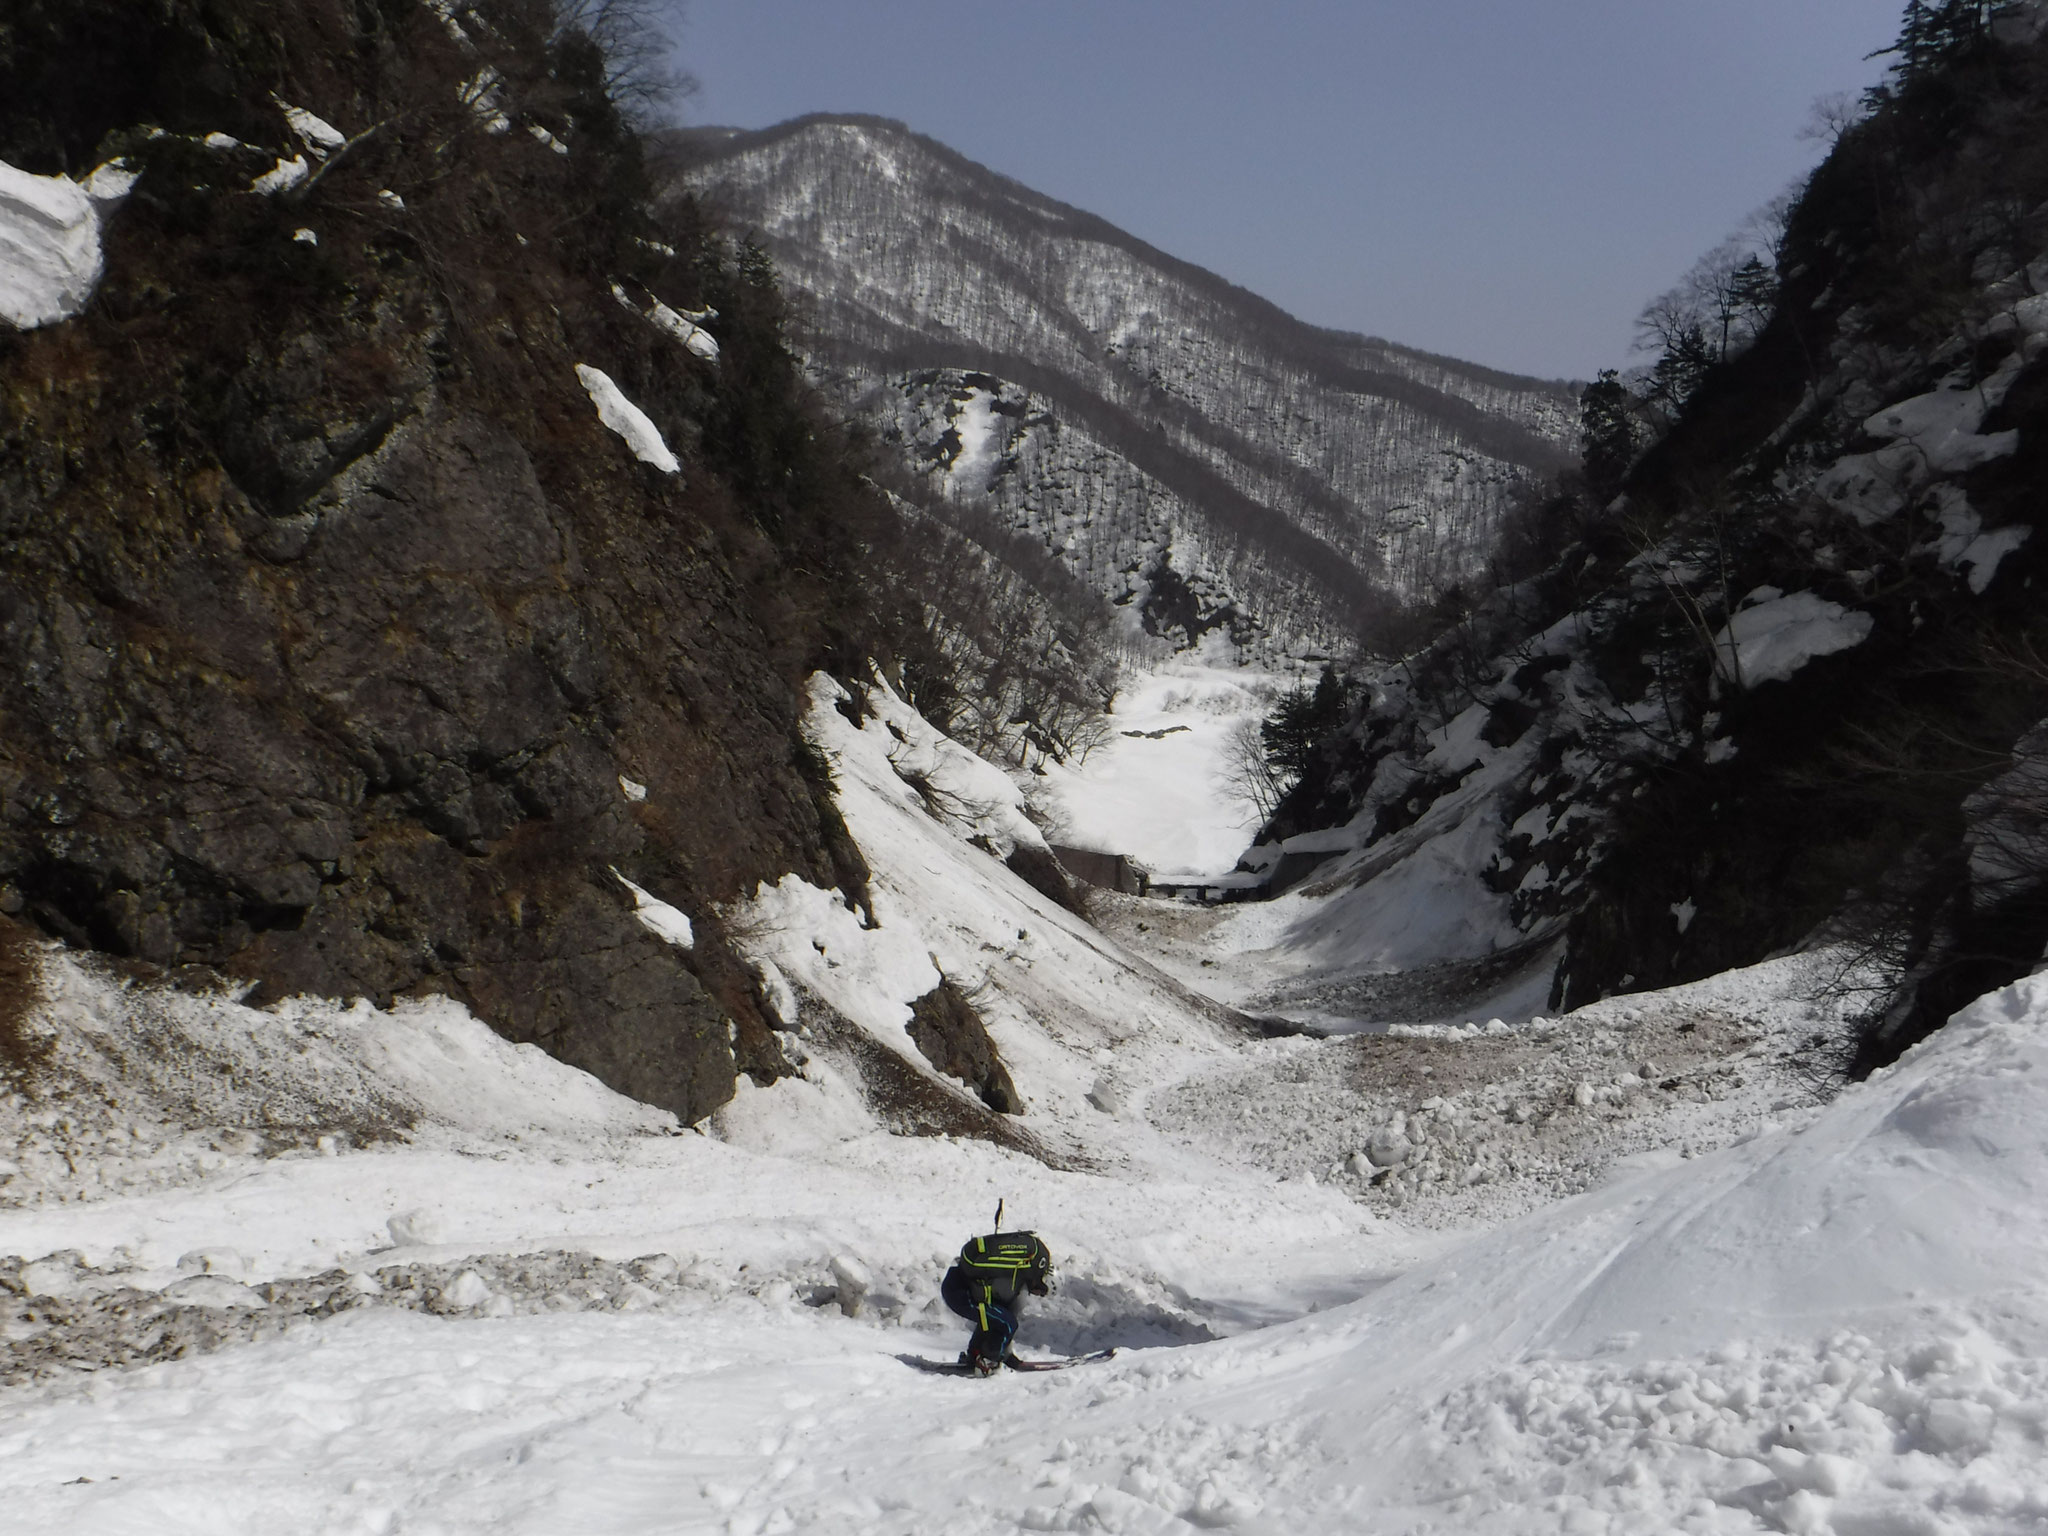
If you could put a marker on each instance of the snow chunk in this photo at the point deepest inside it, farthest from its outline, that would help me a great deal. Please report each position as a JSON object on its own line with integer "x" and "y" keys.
{"x": 50, "y": 256}
{"x": 221, "y": 141}
{"x": 112, "y": 182}
{"x": 282, "y": 177}
{"x": 633, "y": 790}
{"x": 466, "y": 1291}
{"x": 49, "y": 1277}
{"x": 319, "y": 134}
{"x": 391, "y": 200}
{"x": 776, "y": 990}
{"x": 1943, "y": 427}
{"x": 854, "y": 1283}
{"x": 445, "y": 9}
{"x": 305, "y": 237}
{"x": 627, "y": 420}
{"x": 213, "y": 1291}
{"x": 415, "y": 1229}
{"x": 698, "y": 340}
{"x": 547, "y": 138}
{"x": 682, "y": 325}
{"x": 483, "y": 94}
{"x": 1773, "y": 640}
{"x": 658, "y": 917}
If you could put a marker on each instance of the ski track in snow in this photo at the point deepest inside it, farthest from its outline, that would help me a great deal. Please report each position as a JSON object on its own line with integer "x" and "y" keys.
{"x": 1620, "y": 1272}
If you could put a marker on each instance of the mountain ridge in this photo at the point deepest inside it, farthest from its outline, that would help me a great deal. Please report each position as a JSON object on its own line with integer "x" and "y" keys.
{"x": 1203, "y": 416}
{"x": 1101, "y": 227}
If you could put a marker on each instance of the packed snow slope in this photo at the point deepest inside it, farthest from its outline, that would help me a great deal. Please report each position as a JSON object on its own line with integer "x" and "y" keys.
{"x": 1140, "y": 416}
{"x": 1065, "y": 1014}
{"x": 1834, "y": 1326}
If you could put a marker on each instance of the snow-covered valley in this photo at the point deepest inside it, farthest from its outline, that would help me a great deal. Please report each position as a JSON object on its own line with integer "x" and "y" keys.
{"x": 546, "y": 887}
{"x": 329, "y": 1269}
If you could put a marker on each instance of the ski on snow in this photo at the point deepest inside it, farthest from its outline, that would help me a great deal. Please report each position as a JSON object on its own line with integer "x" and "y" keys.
{"x": 1011, "y": 1362}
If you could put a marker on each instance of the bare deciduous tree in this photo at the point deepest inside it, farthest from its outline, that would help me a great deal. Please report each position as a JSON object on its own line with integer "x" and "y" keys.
{"x": 638, "y": 43}
{"x": 1247, "y": 775}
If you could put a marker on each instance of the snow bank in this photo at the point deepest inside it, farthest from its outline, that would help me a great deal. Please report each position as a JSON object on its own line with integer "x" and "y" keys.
{"x": 1927, "y": 437}
{"x": 936, "y": 825}
{"x": 159, "y": 1085}
{"x": 50, "y": 256}
{"x": 1832, "y": 1330}
{"x": 1942, "y": 427}
{"x": 1418, "y": 898}
{"x": 627, "y": 420}
{"x": 1771, "y": 641}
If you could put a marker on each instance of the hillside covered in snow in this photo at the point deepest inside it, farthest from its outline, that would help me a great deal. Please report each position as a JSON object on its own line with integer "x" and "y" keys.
{"x": 1184, "y": 446}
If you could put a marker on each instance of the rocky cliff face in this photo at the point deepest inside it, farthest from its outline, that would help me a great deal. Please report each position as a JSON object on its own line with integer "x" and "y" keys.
{"x": 1184, "y": 445}
{"x": 346, "y": 650}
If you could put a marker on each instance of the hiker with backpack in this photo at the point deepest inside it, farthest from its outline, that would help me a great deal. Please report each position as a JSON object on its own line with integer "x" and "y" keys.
{"x": 987, "y": 1285}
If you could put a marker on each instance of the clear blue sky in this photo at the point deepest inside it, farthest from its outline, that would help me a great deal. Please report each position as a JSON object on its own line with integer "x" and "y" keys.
{"x": 1508, "y": 181}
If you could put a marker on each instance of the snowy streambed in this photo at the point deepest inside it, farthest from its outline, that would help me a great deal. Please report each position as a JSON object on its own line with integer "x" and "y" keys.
{"x": 1834, "y": 1324}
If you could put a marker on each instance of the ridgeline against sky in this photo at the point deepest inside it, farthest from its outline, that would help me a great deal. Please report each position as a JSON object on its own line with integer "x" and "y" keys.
{"x": 1502, "y": 182}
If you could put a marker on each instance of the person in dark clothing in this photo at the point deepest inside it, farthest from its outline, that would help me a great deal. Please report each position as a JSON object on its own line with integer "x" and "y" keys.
{"x": 987, "y": 1285}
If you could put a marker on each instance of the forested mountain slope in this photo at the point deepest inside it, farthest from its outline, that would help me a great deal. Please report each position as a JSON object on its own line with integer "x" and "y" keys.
{"x": 1787, "y": 685}
{"x": 1179, "y": 442}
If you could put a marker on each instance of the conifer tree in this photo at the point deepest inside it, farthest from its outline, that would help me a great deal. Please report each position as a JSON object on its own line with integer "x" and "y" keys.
{"x": 1610, "y": 433}
{"x": 1935, "y": 32}
{"x": 1299, "y": 723}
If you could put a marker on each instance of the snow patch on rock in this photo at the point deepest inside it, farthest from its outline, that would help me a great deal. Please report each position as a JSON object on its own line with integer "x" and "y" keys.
{"x": 1771, "y": 641}
{"x": 626, "y": 419}
{"x": 657, "y": 916}
{"x": 50, "y": 255}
